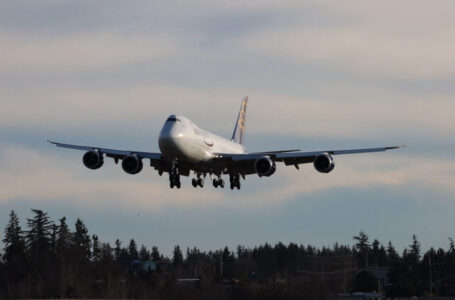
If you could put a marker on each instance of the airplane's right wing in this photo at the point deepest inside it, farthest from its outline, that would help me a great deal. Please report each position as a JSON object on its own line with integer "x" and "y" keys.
{"x": 157, "y": 160}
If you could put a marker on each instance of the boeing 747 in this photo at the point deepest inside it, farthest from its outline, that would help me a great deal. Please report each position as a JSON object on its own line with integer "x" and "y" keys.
{"x": 186, "y": 148}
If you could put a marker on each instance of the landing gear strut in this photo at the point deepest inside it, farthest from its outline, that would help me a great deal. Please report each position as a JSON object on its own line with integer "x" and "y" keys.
{"x": 235, "y": 181}
{"x": 218, "y": 182}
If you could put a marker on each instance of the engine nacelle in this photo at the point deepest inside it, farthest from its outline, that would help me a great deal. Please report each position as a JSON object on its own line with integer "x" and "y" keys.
{"x": 93, "y": 159}
{"x": 324, "y": 163}
{"x": 265, "y": 166}
{"x": 132, "y": 164}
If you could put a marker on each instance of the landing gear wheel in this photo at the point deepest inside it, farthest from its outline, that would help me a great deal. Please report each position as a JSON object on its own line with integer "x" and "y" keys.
{"x": 200, "y": 182}
{"x": 221, "y": 183}
{"x": 194, "y": 182}
{"x": 215, "y": 183}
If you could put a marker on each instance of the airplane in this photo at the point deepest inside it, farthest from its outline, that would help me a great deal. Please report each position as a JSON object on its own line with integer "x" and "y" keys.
{"x": 186, "y": 148}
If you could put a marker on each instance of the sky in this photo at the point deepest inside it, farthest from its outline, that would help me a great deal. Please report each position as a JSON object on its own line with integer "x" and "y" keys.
{"x": 319, "y": 75}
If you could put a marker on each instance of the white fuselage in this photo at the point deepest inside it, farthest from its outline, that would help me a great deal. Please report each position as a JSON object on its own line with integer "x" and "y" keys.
{"x": 183, "y": 140}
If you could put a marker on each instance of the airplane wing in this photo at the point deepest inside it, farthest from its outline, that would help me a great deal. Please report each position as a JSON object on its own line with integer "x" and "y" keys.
{"x": 114, "y": 153}
{"x": 157, "y": 160}
{"x": 244, "y": 163}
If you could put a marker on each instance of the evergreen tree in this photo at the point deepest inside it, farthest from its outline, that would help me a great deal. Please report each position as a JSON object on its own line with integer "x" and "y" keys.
{"x": 362, "y": 244}
{"x": 177, "y": 258}
{"x": 82, "y": 242}
{"x": 452, "y": 245}
{"x": 96, "y": 250}
{"x": 106, "y": 253}
{"x": 14, "y": 241}
{"x": 413, "y": 263}
{"x": 414, "y": 250}
{"x": 132, "y": 250}
{"x": 39, "y": 234}
{"x": 144, "y": 254}
{"x": 378, "y": 255}
{"x": 121, "y": 254}
{"x": 14, "y": 256}
{"x": 374, "y": 253}
{"x": 53, "y": 242}
{"x": 118, "y": 249}
{"x": 362, "y": 247}
{"x": 64, "y": 258}
{"x": 63, "y": 237}
{"x": 155, "y": 254}
{"x": 392, "y": 254}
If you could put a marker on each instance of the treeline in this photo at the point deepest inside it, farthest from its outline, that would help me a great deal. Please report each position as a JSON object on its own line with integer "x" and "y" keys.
{"x": 52, "y": 260}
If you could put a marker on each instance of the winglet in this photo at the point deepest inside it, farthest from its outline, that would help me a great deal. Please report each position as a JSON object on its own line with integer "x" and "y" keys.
{"x": 396, "y": 147}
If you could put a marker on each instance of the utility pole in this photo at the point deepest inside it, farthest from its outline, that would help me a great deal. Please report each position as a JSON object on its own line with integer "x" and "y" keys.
{"x": 431, "y": 276}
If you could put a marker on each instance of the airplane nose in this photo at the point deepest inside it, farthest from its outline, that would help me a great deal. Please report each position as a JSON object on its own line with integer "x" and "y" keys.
{"x": 169, "y": 138}
{"x": 173, "y": 131}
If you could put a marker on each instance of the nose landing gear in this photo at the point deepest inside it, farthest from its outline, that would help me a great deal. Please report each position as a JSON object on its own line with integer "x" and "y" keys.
{"x": 174, "y": 180}
{"x": 174, "y": 176}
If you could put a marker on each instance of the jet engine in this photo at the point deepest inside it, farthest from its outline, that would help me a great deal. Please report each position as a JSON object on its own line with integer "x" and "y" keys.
{"x": 132, "y": 164}
{"x": 93, "y": 159}
{"x": 265, "y": 166}
{"x": 324, "y": 163}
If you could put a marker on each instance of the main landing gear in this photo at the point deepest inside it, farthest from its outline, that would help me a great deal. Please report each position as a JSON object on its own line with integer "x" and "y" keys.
{"x": 198, "y": 181}
{"x": 235, "y": 181}
{"x": 218, "y": 182}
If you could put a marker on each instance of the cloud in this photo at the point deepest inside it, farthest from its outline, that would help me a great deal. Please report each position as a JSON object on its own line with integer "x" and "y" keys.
{"x": 372, "y": 39}
{"x": 365, "y": 172}
{"x": 73, "y": 110}
{"x": 37, "y": 176}
{"x": 350, "y": 73}
{"x": 133, "y": 66}
{"x": 28, "y": 53}
{"x": 30, "y": 174}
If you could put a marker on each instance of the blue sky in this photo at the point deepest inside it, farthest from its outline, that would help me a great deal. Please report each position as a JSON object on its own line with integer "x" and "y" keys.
{"x": 319, "y": 74}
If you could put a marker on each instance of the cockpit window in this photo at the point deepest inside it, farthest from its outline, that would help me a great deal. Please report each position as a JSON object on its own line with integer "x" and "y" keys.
{"x": 173, "y": 119}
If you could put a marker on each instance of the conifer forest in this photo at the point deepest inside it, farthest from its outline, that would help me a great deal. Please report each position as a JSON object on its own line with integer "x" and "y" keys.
{"x": 47, "y": 258}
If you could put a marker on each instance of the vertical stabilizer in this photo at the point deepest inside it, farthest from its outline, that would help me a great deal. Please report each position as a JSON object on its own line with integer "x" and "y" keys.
{"x": 239, "y": 130}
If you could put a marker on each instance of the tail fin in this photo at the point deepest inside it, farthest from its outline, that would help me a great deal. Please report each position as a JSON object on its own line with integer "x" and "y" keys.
{"x": 239, "y": 130}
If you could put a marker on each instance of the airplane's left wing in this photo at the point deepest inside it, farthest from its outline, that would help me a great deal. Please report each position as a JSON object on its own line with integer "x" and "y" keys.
{"x": 245, "y": 163}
